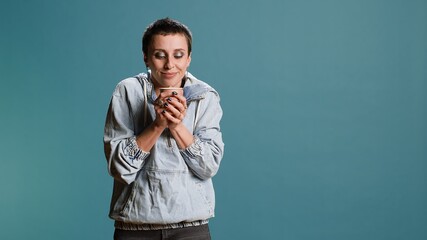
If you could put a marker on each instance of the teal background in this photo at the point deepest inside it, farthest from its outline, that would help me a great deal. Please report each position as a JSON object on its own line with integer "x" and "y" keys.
{"x": 325, "y": 114}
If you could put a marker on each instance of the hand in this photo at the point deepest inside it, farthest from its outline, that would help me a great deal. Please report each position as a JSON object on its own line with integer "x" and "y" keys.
{"x": 161, "y": 120}
{"x": 174, "y": 110}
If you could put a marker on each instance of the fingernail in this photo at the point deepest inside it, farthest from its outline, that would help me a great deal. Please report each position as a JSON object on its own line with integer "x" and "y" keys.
{"x": 165, "y": 105}
{"x": 174, "y": 93}
{"x": 163, "y": 111}
{"x": 169, "y": 99}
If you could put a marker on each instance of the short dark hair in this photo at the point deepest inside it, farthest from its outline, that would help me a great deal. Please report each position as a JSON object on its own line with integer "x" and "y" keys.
{"x": 165, "y": 26}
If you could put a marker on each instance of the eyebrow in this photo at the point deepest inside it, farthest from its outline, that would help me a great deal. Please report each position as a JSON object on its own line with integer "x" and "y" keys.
{"x": 178, "y": 49}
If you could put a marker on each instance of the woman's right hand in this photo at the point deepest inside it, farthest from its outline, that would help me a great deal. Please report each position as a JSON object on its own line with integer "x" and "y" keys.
{"x": 161, "y": 120}
{"x": 147, "y": 138}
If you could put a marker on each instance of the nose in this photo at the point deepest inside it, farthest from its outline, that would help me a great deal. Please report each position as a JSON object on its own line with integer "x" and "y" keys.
{"x": 169, "y": 64}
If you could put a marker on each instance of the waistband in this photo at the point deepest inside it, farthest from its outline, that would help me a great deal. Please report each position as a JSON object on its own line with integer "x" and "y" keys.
{"x": 136, "y": 227}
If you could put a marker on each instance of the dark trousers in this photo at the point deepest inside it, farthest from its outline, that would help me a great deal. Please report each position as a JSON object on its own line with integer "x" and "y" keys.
{"x": 188, "y": 233}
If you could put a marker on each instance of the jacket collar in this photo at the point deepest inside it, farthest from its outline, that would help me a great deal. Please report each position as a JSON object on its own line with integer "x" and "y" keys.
{"x": 194, "y": 89}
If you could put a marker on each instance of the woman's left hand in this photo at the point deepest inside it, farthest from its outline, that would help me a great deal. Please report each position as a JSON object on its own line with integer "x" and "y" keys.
{"x": 175, "y": 110}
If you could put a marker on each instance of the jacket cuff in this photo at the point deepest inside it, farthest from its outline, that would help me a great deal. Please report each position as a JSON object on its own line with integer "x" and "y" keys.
{"x": 133, "y": 152}
{"x": 193, "y": 150}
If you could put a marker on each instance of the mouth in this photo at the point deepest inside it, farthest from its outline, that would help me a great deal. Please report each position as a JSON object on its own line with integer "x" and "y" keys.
{"x": 169, "y": 74}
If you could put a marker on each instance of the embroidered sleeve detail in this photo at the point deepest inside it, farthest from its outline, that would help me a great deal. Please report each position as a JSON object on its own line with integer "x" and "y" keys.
{"x": 133, "y": 152}
{"x": 194, "y": 149}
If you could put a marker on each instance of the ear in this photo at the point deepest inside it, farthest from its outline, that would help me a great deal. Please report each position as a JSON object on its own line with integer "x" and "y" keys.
{"x": 145, "y": 60}
{"x": 189, "y": 60}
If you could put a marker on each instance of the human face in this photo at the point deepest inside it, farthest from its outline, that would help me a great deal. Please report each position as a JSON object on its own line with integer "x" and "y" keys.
{"x": 168, "y": 59}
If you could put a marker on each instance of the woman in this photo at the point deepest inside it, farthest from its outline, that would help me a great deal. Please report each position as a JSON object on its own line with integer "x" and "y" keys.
{"x": 163, "y": 148}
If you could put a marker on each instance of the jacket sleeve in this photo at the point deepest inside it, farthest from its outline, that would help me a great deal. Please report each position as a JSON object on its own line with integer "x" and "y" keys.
{"x": 124, "y": 157}
{"x": 203, "y": 157}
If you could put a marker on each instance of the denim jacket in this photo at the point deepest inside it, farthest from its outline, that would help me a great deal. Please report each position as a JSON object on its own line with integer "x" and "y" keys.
{"x": 166, "y": 185}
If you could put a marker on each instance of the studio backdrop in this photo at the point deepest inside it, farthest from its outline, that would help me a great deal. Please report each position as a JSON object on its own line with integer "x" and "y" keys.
{"x": 325, "y": 114}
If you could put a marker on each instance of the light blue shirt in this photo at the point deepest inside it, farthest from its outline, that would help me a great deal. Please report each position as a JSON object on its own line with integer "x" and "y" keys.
{"x": 166, "y": 185}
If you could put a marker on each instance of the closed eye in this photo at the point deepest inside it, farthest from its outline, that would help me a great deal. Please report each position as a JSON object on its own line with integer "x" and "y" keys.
{"x": 159, "y": 55}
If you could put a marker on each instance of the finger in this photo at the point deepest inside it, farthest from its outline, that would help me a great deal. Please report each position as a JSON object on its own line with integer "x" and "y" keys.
{"x": 180, "y": 106}
{"x": 158, "y": 108}
{"x": 171, "y": 117}
{"x": 159, "y": 102}
{"x": 176, "y": 110}
{"x": 182, "y": 100}
{"x": 179, "y": 99}
{"x": 160, "y": 118}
